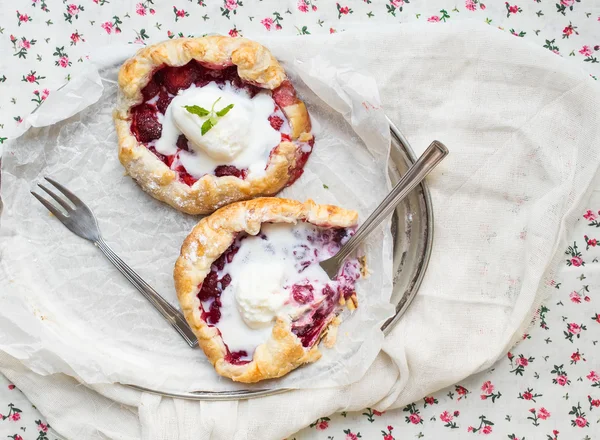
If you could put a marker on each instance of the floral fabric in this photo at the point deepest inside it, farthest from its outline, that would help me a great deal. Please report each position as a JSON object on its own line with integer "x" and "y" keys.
{"x": 548, "y": 386}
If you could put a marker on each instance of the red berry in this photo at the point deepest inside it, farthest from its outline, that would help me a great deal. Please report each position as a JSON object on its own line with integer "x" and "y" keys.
{"x": 144, "y": 124}
{"x": 209, "y": 287}
{"x": 215, "y": 312}
{"x": 285, "y": 94}
{"x": 163, "y": 101}
{"x": 151, "y": 90}
{"x": 177, "y": 78}
{"x": 167, "y": 160}
{"x": 234, "y": 358}
{"x": 182, "y": 143}
{"x": 302, "y": 294}
{"x": 276, "y": 122}
{"x": 225, "y": 281}
{"x": 185, "y": 176}
{"x": 298, "y": 169}
{"x": 188, "y": 179}
{"x": 230, "y": 170}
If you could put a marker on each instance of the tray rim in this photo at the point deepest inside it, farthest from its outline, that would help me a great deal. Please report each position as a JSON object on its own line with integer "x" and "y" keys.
{"x": 386, "y": 328}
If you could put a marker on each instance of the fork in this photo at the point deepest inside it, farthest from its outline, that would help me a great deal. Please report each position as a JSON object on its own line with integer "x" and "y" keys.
{"x": 432, "y": 156}
{"x": 80, "y": 220}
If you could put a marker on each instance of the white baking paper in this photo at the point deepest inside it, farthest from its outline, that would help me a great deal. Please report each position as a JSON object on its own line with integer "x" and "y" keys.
{"x": 65, "y": 308}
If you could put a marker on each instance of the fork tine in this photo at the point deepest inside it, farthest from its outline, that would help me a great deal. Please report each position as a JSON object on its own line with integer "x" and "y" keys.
{"x": 68, "y": 194}
{"x": 59, "y": 215}
{"x": 57, "y": 198}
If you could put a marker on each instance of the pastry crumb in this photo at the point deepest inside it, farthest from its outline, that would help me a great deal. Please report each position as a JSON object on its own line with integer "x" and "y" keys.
{"x": 364, "y": 271}
{"x": 352, "y": 303}
{"x": 331, "y": 333}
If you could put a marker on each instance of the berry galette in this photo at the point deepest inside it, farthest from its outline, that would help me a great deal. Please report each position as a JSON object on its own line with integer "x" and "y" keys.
{"x": 203, "y": 122}
{"x": 250, "y": 286}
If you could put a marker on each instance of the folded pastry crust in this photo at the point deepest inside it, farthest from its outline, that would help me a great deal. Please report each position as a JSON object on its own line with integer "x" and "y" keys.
{"x": 210, "y": 238}
{"x": 255, "y": 65}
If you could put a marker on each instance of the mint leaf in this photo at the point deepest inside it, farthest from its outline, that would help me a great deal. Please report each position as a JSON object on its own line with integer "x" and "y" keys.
{"x": 224, "y": 111}
{"x": 212, "y": 109}
{"x": 196, "y": 110}
{"x": 208, "y": 124}
{"x": 213, "y": 117}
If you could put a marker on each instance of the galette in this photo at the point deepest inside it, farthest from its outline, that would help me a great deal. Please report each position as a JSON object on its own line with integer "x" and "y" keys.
{"x": 250, "y": 286}
{"x": 204, "y": 122}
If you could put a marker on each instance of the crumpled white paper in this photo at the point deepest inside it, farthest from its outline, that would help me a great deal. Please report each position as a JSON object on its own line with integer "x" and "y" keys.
{"x": 66, "y": 308}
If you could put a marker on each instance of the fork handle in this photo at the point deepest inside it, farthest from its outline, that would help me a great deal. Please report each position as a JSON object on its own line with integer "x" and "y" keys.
{"x": 170, "y": 313}
{"x": 417, "y": 172}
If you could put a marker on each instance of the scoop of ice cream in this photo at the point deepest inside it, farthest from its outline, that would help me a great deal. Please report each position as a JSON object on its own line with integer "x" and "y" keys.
{"x": 259, "y": 292}
{"x": 243, "y": 137}
{"x": 230, "y": 134}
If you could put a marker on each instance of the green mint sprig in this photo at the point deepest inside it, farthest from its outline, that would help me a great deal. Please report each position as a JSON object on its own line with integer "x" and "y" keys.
{"x": 213, "y": 116}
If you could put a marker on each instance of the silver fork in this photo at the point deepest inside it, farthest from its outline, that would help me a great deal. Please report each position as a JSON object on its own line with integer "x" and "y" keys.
{"x": 417, "y": 172}
{"x": 80, "y": 220}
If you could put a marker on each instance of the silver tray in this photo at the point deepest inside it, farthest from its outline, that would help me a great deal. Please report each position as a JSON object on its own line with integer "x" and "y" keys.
{"x": 412, "y": 230}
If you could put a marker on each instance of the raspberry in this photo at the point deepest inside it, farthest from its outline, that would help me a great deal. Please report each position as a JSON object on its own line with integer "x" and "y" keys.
{"x": 302, "y": 294}
{"x": 163, "y": 101}
{"x": 234, "y": 357}
{"x": 144, "y": 124}
{"x": 225, "y": 281}
{"x": 209, "y": 287}
{"x": 230, "y": 170}
{"x": 276, "y": 122}
{"x": 182, "y": 143}
{"x": 151, "y": 90}
{"x": 285, "y": 94}
{"x": 177, "y": 78}
{"x": 185, "y": 176}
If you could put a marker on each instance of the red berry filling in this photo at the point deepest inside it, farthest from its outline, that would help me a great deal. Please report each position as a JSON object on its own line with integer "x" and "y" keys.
{"x": 166, "y": 82}
{"x": 212, "y": 286}
{"x": 230, "y": 170}
{"x": 151, "y": 90}
{"x": 303, "y": 293}
{"x": 182, "y": 143}
{"x": 164, "y": 99}
{"x": 276, "y": 122}
{"x": 167, "y": 160}
{"x": 308, "y": 333}
{"x": 144, "y": 123}
{"x": 177, "y": 78}
{"x": 310, "y": 325}
{"x": 234, "y": 358}
{"x": 285, "y": 94}
{"x": 301, "y": 158}
{"x": 185, "y": 177}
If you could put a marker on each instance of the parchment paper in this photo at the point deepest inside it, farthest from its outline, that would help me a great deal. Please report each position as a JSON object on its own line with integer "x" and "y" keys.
{"x": 65, "y": 308}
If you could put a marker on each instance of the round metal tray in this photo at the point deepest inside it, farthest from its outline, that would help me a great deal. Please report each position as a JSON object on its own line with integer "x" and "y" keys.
{"x": 412, "y": 231}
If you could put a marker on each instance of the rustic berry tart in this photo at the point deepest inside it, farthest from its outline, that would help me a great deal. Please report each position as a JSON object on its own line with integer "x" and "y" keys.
{"x": 203, "y": 122}
{"x": 250, "y": 286}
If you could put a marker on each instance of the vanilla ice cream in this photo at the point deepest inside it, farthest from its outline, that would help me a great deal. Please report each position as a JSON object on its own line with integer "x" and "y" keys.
{"x": 225, "y": 140}
{"x": 242, "y": 138}
{"x": 259, "y": 292}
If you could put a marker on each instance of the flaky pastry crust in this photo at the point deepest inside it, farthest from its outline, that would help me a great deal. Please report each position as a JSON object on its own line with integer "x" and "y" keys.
{"x": 256, "y": 65}
{"x": 211, "y": 237}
